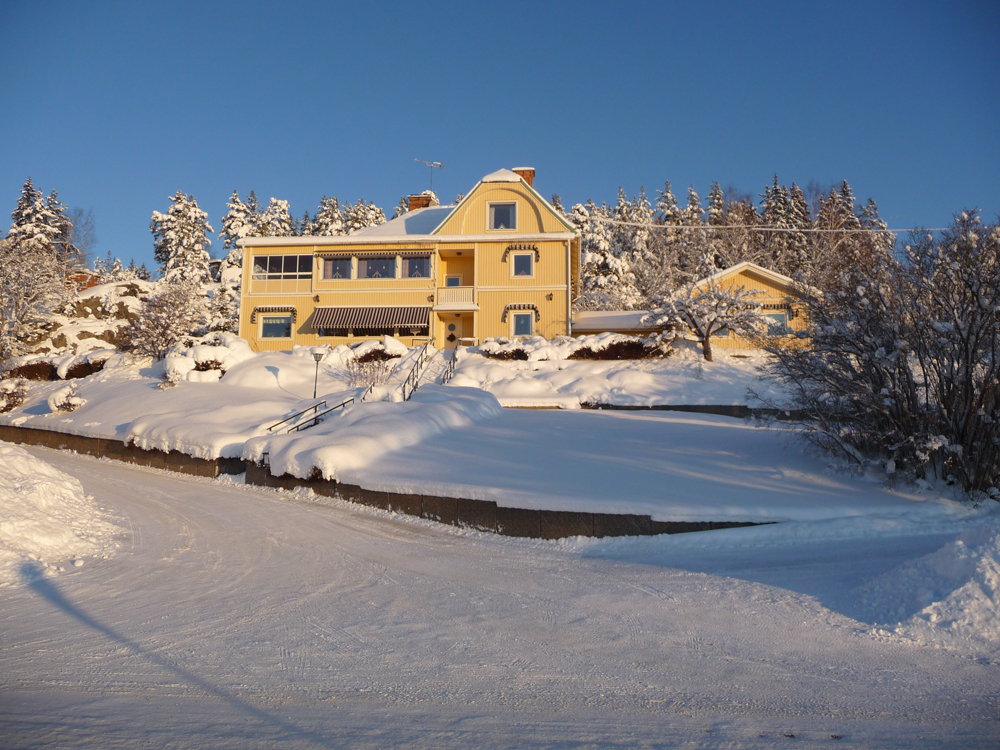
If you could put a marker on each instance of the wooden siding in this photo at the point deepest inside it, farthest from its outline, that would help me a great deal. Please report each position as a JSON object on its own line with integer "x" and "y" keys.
{"x": 771, "y": 294}
{"x": 472, "y": 214}
{"x": 493, "y": 271}
{"x": 492, "y": 304}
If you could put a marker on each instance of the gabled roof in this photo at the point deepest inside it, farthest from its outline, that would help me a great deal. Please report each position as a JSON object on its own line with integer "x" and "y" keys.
{"x": 768, "y": 274}
{"x": 505, "y": 175}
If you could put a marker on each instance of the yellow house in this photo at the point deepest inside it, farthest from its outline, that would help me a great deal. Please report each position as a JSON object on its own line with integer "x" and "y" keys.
{"x": 503, "y": 262}
{"x": 776, "y": 293}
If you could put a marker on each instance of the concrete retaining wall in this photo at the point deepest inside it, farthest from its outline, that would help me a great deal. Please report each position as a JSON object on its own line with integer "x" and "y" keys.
{"x": 739, "y": 411}
{"x": 486, "y": 515}
{"x": 481, "y": 515}
{"x": 119, "y": 451}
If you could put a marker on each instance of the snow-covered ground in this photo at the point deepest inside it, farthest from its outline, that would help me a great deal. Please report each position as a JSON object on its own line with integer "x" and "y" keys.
{"x": 547, "y": 378}
{"x": 240, "y": 617}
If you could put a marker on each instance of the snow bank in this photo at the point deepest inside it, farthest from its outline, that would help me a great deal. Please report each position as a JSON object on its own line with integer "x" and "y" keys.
{"x": 547, "y": 378}
{"x": 352, "y": 443}
{"x": 207, "y": 361}
{"x": 46, "y": 517}
{"x": 950, "y": 598}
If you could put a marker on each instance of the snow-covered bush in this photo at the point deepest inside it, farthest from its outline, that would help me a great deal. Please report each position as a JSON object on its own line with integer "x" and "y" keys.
{"x": 166, "y": 316}
{"x": 65, "y": 399}
{"x": 902, "y": 366}
{"x": 370, "y": 372}
{"x": 608, "y": 346}
{"x": 205, "y": 361}
{"x": 13, "y": 391}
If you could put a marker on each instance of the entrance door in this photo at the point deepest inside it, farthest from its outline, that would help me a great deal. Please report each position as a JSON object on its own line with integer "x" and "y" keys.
{"x": 453, "y": 331}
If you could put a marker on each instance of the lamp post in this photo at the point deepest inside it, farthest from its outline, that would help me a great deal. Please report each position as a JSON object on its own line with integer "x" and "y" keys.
{"x": 317, "y": 356}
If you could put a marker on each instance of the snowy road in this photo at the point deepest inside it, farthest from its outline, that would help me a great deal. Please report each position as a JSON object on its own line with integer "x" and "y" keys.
{"x": 242, "y": 617}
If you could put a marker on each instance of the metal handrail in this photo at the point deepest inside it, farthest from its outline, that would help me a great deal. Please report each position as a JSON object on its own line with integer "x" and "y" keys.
{"x": 315, "y": 420}
{"x": 413, "y": 378}
{"x": 297, "y": 414}
{"x": 450, "y": 371}
{"x": 368, "y": 390}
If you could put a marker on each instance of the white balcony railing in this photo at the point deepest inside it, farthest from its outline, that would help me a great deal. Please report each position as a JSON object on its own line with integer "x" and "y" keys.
{"x": 455, "y": 295}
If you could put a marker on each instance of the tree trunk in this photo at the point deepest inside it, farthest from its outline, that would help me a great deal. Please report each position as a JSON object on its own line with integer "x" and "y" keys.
{"x": 706, "y": 348}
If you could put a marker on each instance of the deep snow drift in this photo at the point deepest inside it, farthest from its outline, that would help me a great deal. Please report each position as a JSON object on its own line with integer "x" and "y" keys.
{"x": 46, "y": 517}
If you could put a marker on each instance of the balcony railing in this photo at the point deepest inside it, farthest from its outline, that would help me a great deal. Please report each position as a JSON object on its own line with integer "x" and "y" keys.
{"x": 455, "y": 295}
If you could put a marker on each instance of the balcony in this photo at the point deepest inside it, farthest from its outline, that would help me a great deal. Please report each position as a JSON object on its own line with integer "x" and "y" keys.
{"x": 455, "y": 298}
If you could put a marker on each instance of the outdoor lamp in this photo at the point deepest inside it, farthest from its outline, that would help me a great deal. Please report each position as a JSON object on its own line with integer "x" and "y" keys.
{"x": 317, "y": 356}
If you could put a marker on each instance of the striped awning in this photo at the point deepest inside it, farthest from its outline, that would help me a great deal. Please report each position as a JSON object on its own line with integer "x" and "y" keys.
{"x": 503, "y": 258}
{"x": 371, "y": 317}
{"x": 272, "y": 309}
{"x": 521, "y": 306}
{"x": 364, "y": 254}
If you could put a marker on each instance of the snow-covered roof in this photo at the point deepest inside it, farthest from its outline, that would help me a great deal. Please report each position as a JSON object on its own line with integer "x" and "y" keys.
{"x": 502, "y": 175}
{"x": 748, "y": 266}
{"x": 420, "y": 221}
{"x": 609, "y": 320}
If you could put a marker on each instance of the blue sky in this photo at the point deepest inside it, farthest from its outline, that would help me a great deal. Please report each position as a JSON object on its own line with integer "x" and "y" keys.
{"x": 119, "y": 105}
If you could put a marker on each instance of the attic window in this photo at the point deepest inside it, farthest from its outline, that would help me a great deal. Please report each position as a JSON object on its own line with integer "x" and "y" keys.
{"x": 503, "y": 216}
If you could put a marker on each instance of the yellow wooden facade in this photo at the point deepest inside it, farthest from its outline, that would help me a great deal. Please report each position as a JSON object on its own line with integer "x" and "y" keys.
{"x": 777, "y": 295}
{"x": 471, "y": 291}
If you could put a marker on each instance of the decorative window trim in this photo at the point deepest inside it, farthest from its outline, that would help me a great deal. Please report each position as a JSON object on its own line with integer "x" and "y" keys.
{"x": 521, "y": 306}
{"x": 272, "y": 309}
{"x": 511, "y": 248}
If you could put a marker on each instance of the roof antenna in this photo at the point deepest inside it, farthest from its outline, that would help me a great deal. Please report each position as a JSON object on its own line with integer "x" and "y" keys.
{"x": 431, "y": 164}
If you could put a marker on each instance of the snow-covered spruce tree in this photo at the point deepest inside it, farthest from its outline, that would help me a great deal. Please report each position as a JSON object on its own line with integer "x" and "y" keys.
{"x": 329, "y": 218}
{"x": 175, "y": 311}
{"x": 360, "y": 215}
{"x": 705, "y": 308}
{"x": 180, "y": 241}
{"x": 606, "y": 279}
{"x": 238, "y": 223}
{"x": 44, "y": 222}
{"x": 403, "y": 207}
{"x": 31, "y": 286}
{"x": 902, "y": 365}
{"x": 276, "y": 221}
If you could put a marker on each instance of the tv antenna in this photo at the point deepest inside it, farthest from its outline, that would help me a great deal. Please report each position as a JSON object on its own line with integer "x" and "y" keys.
{"x": 432, "y": 165}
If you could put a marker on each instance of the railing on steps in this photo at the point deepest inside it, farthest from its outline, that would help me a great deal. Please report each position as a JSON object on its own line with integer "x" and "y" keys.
{"x": 367, "y": 393}
{"x": 297, "y": 414}
{"x": 412, "y": 381}
{"x": 450, "y": 370}
{"x": 315, "y": 420}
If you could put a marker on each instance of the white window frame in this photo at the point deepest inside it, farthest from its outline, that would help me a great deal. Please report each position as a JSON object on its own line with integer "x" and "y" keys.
{"x": 453, "y": 276}
{"x": 785, "y": 330}
{"x": 489, "y": 216}
{"x": 513, "y": 263}
{"x": 265, "y": 316}
{"x": 514, "y": 314}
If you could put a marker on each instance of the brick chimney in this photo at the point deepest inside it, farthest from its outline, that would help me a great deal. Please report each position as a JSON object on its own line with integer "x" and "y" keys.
{"x": 427, "y": 199}
{"x": 525, "y": 173}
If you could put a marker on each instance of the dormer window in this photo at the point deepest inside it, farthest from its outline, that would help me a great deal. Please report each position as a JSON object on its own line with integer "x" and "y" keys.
{"x": 503, "y": 216}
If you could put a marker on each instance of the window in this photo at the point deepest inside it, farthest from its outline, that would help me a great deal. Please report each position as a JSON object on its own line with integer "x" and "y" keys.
{"x": 523, "y": 323}
{"x": 377, "y": 268}
{"x": 777, "y": 324}
{"x": 336, "y": 268}
{"x": 276, "y": 327}
{"x": 523, "y": 264}
{"x": 282, "y": 267}
{"x": 417, "y": 268}
{"x": 453, "y": 281}
{"x": 325, "y": 332}
{"x": 503, "y": 216}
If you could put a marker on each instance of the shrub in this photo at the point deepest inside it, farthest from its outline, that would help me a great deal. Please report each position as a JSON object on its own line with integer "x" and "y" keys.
{"x": 65, "y": 399}
{"x": 209, "y": 364}
{"x": 369, "y": 373}
{"x": 84, "y": 369}
{"x": 626, "y": 349}
{"x": 375, "y": 355}
{"x": 13, "y": 391}
{"x": 34, "y": 371}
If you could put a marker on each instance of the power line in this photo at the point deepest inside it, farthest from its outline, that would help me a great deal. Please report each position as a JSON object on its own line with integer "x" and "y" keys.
{"x": 755, "y": 227}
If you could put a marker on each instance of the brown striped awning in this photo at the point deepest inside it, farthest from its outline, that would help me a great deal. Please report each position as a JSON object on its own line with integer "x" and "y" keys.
{"x": 371, "y": 317}
{"x": 521, "y": 306}
{"x": 272, "y": 309}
